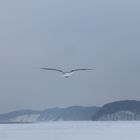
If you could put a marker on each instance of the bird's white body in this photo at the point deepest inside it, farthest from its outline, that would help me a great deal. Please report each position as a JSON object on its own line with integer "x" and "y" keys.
{"x": 67, "y": 74}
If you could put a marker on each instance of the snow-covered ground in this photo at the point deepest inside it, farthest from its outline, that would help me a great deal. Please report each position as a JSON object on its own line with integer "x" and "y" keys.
{"x": 71, "y": 131}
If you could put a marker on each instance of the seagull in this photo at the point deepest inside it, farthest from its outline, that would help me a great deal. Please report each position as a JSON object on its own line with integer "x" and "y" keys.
{"x": 64, "y": 73}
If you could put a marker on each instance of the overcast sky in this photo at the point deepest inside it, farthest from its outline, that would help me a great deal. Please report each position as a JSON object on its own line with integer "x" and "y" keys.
{"x": 68, "y": 34}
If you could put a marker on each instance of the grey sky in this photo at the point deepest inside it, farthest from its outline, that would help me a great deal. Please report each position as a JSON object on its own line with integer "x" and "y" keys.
{"x": 68, "y": 34}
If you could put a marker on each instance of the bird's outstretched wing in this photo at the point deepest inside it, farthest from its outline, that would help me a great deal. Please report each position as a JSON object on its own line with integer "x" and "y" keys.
{"x": 53, "y": 69}
{"x": 80, "y": 70}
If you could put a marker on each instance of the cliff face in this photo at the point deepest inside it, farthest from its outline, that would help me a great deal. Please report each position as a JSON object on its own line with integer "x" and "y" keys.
{"x": 120, "y": 110}
{"x": 74, "y": 113}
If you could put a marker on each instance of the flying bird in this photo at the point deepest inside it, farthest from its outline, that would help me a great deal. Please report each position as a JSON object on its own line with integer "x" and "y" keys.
{"x": 64, "y": 73}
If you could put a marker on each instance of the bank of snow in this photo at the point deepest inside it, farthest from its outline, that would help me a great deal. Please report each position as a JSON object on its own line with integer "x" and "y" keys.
{"x": 71, "y": 131}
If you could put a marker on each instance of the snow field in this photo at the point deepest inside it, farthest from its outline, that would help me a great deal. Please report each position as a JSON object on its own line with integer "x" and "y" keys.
{"x": 71, "y": 131}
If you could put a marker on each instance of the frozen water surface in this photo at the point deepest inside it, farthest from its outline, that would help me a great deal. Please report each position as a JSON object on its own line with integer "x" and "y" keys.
{"x": 71, "y": 131}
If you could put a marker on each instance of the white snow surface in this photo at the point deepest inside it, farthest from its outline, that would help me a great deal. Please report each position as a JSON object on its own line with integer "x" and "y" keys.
{"x": 72, "y": 131}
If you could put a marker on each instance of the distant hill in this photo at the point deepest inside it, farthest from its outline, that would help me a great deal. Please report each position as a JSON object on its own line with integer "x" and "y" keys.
{"x": 74, "y": 113}
{"x": 120, "y": 110}
{"x": 115, "y": 111}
